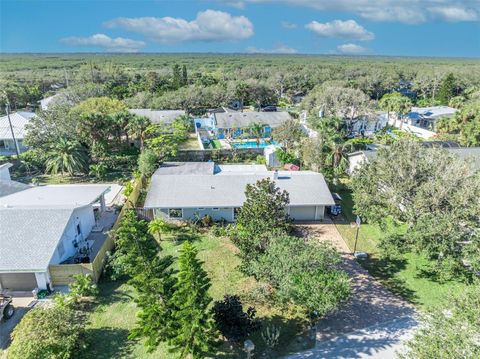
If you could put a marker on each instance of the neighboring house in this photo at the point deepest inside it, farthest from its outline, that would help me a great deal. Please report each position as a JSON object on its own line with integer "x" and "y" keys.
{"x": 48, "y": 101}
{"x": 18, "y": 120}
{"x": 471, "y": 154}
{"x": 366, "y": 126}
{"x": 422, "y": 120}
{"x": 158, "y": 116}
{"x": 191, "y": 190}
{"x": 41, "y": 226}
{"x": 232, "y": 124}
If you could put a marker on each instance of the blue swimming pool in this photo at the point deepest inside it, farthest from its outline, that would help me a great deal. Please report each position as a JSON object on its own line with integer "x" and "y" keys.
{"x": 252, "y": 144}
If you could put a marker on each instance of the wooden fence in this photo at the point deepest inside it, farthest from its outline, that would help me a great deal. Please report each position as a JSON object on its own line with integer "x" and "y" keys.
{"x": 61, "y": 274}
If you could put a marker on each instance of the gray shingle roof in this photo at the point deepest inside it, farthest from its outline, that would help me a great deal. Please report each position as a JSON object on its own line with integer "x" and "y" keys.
{"x": 29, "y": 236}
{"x": 185, "y": 168}
{"x": 228, "y": 190}
{"x": 8, "y": 187}
{"x": 19, "y": 120}
{"x": 245, "y": 119}
{"x": 158, "y": 116}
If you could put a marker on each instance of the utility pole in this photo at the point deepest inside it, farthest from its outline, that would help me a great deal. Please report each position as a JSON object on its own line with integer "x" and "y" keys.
{"x": 7, "y": 109}
{"x": 358, "y": 222}
{"x": 66, "y": 76}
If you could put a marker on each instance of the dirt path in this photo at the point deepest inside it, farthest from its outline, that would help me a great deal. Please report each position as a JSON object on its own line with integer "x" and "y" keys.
{"x": 370, "y": 302}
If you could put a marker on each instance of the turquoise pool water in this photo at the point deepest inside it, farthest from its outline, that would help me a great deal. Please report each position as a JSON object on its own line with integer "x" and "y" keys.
{"x": 253, "y": 144}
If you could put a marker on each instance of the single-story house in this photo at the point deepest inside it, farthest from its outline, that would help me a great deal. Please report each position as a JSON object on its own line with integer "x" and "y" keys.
{"x": 234, "y": 124}
{"x": 41, "y": 226}
{"x": 191, "y": 190}
{"x": 19, "y": 120}
{"x": 471, "y": 154}
{"x": 425, "y": 117}
{"x": 158, "y": 116}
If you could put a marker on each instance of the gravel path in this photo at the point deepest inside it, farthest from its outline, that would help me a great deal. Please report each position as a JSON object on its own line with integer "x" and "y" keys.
{"x": 370, "y": 302}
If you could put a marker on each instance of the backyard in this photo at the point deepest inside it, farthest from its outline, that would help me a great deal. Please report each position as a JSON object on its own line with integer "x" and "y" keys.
{"x": 115, "y": 314}
{"x": 406, "y": 275}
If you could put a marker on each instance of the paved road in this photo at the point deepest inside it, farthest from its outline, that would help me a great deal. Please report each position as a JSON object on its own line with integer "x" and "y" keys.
{"x": 380, "y": 341}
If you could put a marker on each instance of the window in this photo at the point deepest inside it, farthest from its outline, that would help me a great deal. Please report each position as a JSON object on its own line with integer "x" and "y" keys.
{"x": 175, "y": 213}
{"x": 215, "y": 209}
{"x": 201, "y": 209}
{"x": 79, "y": 230}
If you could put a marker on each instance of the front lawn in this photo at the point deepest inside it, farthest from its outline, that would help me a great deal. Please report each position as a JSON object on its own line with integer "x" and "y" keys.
{"x": 406, "y": 276}
{"x": 115, "y": 314}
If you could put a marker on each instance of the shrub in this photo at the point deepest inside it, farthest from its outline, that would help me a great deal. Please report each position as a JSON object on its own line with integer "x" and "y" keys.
{"x": 234, "y": 324}
{"x": 128, "y": 189}
{"x": 83, "y": 286}
{"x": 52, "y": 332}
{"x": 98, "y": 170}
{"x": 147, "y": 162}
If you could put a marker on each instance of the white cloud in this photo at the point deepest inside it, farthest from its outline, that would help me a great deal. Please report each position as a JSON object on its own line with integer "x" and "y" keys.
{"x": 105, "y": 42}
{"x": 455, "y": 14}
{"x": 288, "y": 25}
{"x": 405, "y": 11}
{"x": 209, "y": 25}
{"x": 348, "y": 29}
{"x": 278, "y": 49}
{"x": 351, "y": 49}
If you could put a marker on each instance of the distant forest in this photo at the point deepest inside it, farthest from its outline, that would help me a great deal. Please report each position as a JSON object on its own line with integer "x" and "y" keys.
{"x": 193, "y": 81}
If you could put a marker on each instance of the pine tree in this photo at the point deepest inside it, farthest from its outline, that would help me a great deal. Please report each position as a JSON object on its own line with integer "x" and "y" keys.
{"x": 193, "y": 330}
{"x": 138, "y": 256}
{"x": 447, "y": 90}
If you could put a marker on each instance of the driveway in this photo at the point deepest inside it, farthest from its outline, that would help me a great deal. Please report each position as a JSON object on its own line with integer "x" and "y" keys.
{"x": 21, "y": 304}
{"x": 370, "y": 302}
{"x": 381, "y": 341}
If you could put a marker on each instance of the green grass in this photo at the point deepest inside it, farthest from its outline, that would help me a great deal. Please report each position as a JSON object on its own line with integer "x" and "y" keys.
{"x": 408, "y": 275}
{"x": 216, "y": 144}
{"x": 191, "y": 143}
{"x": 115, "y": 314}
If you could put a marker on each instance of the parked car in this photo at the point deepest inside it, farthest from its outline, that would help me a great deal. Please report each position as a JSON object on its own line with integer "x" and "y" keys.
{"x": 269, "y": 109}
{"x": 337, "y": 208}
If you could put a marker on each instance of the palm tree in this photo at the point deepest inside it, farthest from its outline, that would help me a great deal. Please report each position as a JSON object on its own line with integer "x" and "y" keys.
{"x": 67, "y": 156}
{"x": 157, "y": 227}
{"x": 137, "y": 127}
{"x": 337, "y": 156}
{"x": 256, "y": 131}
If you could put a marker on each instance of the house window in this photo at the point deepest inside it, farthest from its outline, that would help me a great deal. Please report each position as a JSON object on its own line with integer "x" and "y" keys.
{"x": 215, "y": 209}
{"x": 175, "y": 213}
{"x": 201, "y": 209}
{"x": 79, "y": 230}
{"x": 61, "y": 249}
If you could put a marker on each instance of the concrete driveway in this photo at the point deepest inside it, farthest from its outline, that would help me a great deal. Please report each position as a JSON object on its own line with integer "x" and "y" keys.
{"x": 381, "y": 341}
{"x": 21, "y": 304}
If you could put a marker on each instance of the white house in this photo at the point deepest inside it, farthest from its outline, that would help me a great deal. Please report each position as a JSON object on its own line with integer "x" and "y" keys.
{"x": 18, "y": 120}
{"x": 158, "y": 116}
{"x": 470, "y": 154}
{"x": 187, "y": 191}
{"x": 43, "y": 225}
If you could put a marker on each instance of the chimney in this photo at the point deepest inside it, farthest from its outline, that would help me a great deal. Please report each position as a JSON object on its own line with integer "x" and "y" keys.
{"x": 275, "y": 175}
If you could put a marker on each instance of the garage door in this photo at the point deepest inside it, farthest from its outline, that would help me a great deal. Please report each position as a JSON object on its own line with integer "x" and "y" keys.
{"x": 18, "y": 281}
{"x": 303, "y": 213}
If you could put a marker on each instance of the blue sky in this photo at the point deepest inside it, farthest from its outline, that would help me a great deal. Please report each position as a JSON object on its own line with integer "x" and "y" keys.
{"x": 352, "y": 27}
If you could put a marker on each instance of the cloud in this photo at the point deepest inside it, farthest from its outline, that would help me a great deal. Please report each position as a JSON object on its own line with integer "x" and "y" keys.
{"x": 278, "y": 49}
{"x": 351, "y": 49}
{"x": 209, "y": 25}
{"x": 288, "y": 25}
{"x": 455, "y": 14}
{"x": 348, "y": 29}
{"x": 105, "y": 42}
{"x": 405, "y": 11}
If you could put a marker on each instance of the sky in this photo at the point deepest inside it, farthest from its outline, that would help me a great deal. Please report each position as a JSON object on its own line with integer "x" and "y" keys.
{"x": 444, "y": 28}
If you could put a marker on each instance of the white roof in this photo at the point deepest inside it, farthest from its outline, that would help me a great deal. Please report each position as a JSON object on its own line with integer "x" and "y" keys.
{"x": 158, "y": 116}
{"x": 227, "y": 189}
{"x": 47, "y": 101}
{"x": 19, "y": 120}
{"x": 54, "y": 196}
{"x": 432, "y": 112}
